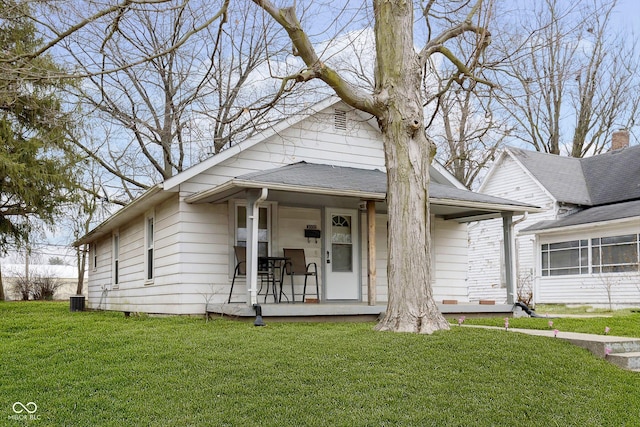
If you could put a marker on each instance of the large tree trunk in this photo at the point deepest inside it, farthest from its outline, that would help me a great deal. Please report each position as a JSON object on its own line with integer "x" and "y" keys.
{"x": 81, "y": 257}
{"x": 408, "y": 154}
{"x": 398, "y": 106}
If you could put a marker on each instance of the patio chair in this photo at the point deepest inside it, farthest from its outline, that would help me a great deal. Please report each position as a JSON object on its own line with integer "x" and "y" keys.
{"x": 241, "y": 270}
{"x": 297, "y": 266}
{"x": 241, "y": 266}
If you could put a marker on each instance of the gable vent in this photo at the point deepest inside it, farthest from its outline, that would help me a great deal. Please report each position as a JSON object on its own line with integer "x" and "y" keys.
{"x": 339, "y": 120}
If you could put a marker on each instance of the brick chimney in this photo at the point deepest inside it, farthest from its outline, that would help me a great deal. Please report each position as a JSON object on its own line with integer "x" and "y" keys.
{"x": 619, "y": 139}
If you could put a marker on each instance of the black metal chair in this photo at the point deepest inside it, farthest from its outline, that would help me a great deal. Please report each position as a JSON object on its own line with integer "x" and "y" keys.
{"x": 297, "y": 266}
{"x": 241, "y": 266}
{"x": 241, "y": 270}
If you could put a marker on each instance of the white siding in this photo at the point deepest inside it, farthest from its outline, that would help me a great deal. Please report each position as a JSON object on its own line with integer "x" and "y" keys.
{"x": 135, "y": 293}
{"x": 193, "y": 246}
{"x": 291, "y": 225}
{"x": 450, "y": 260}
{"x": 486, "y": 280}
{"x": 313, "y": 140}
{"x": 589, "y": 289}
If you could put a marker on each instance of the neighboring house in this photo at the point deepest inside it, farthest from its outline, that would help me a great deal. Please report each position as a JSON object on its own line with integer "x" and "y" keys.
{"x": 172, "y": 249}
{"x": 584, "y": 246}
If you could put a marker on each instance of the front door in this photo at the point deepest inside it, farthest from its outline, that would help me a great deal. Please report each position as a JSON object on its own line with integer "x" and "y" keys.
{"x": 341, "y": 254}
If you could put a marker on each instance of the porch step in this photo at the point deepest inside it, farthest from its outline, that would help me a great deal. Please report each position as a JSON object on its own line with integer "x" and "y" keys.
{"x": 598, "y": 344}
{"x": 630, "y": 360}
{"x": 623, "y": 352}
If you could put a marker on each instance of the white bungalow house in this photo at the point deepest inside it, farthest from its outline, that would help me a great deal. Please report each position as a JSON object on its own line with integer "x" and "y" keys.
{"x": 314, "y": 182}
{"x": 584, "y": 246}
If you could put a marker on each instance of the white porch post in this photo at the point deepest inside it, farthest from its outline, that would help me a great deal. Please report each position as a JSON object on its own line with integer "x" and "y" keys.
{"x": 509, "y": 271}
{"x": 253, "y": 215}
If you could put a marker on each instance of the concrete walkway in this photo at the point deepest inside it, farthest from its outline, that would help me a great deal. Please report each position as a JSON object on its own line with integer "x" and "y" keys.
{"x": 621, "y": 351}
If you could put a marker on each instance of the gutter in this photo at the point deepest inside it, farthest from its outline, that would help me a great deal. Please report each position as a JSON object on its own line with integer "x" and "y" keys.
{"x": 578, "y": 227}
{"x": 130, "y": 209}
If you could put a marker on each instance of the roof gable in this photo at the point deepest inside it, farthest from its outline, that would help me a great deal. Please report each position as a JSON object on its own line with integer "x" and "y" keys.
{"x": 437, "y": 171}
{"x": 562, "y": 177}
{"x": 232, "y": 151}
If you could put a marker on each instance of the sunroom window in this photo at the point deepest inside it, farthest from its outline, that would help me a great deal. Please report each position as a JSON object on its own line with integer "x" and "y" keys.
{"x": 564, "y": 258}
{"x": 615, "y": 254}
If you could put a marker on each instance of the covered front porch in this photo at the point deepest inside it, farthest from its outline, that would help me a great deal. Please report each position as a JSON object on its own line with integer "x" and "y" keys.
{"x": 326, "y": 195}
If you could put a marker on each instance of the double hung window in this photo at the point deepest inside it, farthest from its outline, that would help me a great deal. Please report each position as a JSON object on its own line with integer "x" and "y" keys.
{"x": 149, "y": 242}
{"x": 264, "y": 232}
{"x": 116, "y": 259}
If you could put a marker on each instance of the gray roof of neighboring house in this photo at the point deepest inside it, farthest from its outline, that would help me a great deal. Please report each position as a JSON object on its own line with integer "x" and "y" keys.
{"x": 607, "y": 185}
{"x": 591, "y": 215}
{"x": 611, "y": 177}
{"x": 614, "y": 176}
{"x": 347, "y": 178}
{"x": 563, "y": 177}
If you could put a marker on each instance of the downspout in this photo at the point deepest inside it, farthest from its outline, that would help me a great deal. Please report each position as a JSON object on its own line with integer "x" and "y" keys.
{"x": 253, "y": 216}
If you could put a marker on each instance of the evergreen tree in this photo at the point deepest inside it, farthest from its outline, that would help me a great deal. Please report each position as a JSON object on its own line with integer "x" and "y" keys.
{"x": 36, "y": 161}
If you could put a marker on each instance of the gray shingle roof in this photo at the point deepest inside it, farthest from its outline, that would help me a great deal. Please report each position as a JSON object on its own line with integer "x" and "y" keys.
{"x": 561, "y": 176}
{"x": 592, "y": 215}
{"x": 614, "y": 176}
{"x": 606, "y": 185}
{"x": 610, "y": 177}
{"x": 323, "y": 176}
{"x": 347, "y": 178}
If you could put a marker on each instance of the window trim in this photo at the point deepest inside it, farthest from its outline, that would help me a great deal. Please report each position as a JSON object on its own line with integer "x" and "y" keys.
{"x": 268, "y": 207}
{"x": 582, "y": 245}
{"x": 115, "y": 259}
{"x": 94, "y": 255}
{"x": 149, "y": 247}
{"x": 272, "y": 224}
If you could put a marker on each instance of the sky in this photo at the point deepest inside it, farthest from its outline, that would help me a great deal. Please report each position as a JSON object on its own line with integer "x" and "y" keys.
{"x": 628, "y": 17}
{"x": 629, "y": 14}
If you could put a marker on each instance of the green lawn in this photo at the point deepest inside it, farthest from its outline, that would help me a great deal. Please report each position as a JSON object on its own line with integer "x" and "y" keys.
{"x": 97, "y": 368}
{"x": 620, "y": 323}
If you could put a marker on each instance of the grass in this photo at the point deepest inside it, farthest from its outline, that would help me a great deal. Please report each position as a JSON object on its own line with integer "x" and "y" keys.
{"x": 98, "y": 368}
{"x": 624, "y": 323}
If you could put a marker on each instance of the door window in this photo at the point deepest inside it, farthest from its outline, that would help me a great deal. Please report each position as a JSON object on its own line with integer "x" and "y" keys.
{"x": 341, "y": 243}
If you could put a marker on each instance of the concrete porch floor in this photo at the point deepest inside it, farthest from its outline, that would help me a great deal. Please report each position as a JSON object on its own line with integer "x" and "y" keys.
{"x": 310, "y": 312}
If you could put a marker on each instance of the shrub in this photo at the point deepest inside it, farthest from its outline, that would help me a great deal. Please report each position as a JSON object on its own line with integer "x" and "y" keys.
{"x": 43, "y": 287}
{"x": 36, "y": 286}
{"x": 21, "y": 288}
